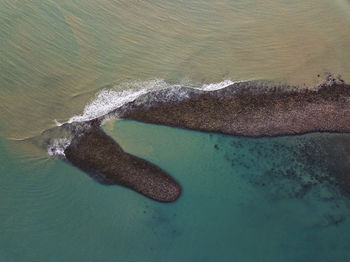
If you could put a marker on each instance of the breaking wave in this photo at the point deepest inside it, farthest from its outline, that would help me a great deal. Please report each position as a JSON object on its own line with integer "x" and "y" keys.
{"x": 115, "y": 97}
{"x": 106, "y": 101}
{"x": 57, "y": 147}
{"x": 111, "y": 98}
{"x": 219, "y": 85}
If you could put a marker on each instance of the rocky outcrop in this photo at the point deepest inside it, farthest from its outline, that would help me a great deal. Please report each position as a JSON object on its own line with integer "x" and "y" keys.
{"x": 248, "y": 111}
{"x": 102, "y": 158}
{"x": 241, "y": 109}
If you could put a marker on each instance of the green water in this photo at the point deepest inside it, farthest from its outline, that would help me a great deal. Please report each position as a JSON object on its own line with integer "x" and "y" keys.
{"x": 237, "y": 203}
{"x": 229, "y": 211}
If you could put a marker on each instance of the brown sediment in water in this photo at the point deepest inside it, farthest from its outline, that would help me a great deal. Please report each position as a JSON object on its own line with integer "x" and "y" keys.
{"x": 252, "y": 113}
{"x": 101, "y": 157}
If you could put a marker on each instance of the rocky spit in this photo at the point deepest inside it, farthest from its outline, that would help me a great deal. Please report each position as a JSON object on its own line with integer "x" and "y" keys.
{"x": 102, "y": 158}
{"x": 243, "y": 109}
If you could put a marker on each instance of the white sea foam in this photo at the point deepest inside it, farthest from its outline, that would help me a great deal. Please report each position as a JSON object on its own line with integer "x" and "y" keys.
{"x": 217, "y": 86}
{"x": 114, "y": 97}
{"x": 220, "y": 85}
{"x": 106, "y": 101}
{"x": 176, "y": 93}
{"x": 111, "y": 98}
{"x": 57, "y": 123}
{"x": 57, "y": 146}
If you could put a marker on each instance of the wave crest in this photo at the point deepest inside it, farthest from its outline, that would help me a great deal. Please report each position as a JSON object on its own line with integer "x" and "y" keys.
{"x": 113, "y": 97}
{"x": 57, "y": 147}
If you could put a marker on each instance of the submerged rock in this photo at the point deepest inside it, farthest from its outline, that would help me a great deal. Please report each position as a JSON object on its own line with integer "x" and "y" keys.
{"x": 102, "y": 158}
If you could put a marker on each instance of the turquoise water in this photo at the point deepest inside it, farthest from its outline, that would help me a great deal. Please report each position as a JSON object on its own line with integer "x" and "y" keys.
{"x": 243, "y": 199}
{"x": 234, "y": 207}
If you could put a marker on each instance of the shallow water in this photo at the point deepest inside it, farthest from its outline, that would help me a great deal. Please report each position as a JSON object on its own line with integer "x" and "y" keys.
{"x": 60, "y": 60}
{"x": 237, "y": 203}
{"x": 55, "y": 55}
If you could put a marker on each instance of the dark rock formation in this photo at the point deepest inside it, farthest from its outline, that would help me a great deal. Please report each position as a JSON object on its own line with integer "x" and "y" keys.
{"x": 246, "y": 110}
{"x": 102, "y": 158}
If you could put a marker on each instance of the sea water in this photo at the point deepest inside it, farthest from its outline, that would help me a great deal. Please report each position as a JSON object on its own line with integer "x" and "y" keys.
{"x": 56, "y": 55}
{"x": 73, "y": 60}
{"x": 234, "y": 207}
